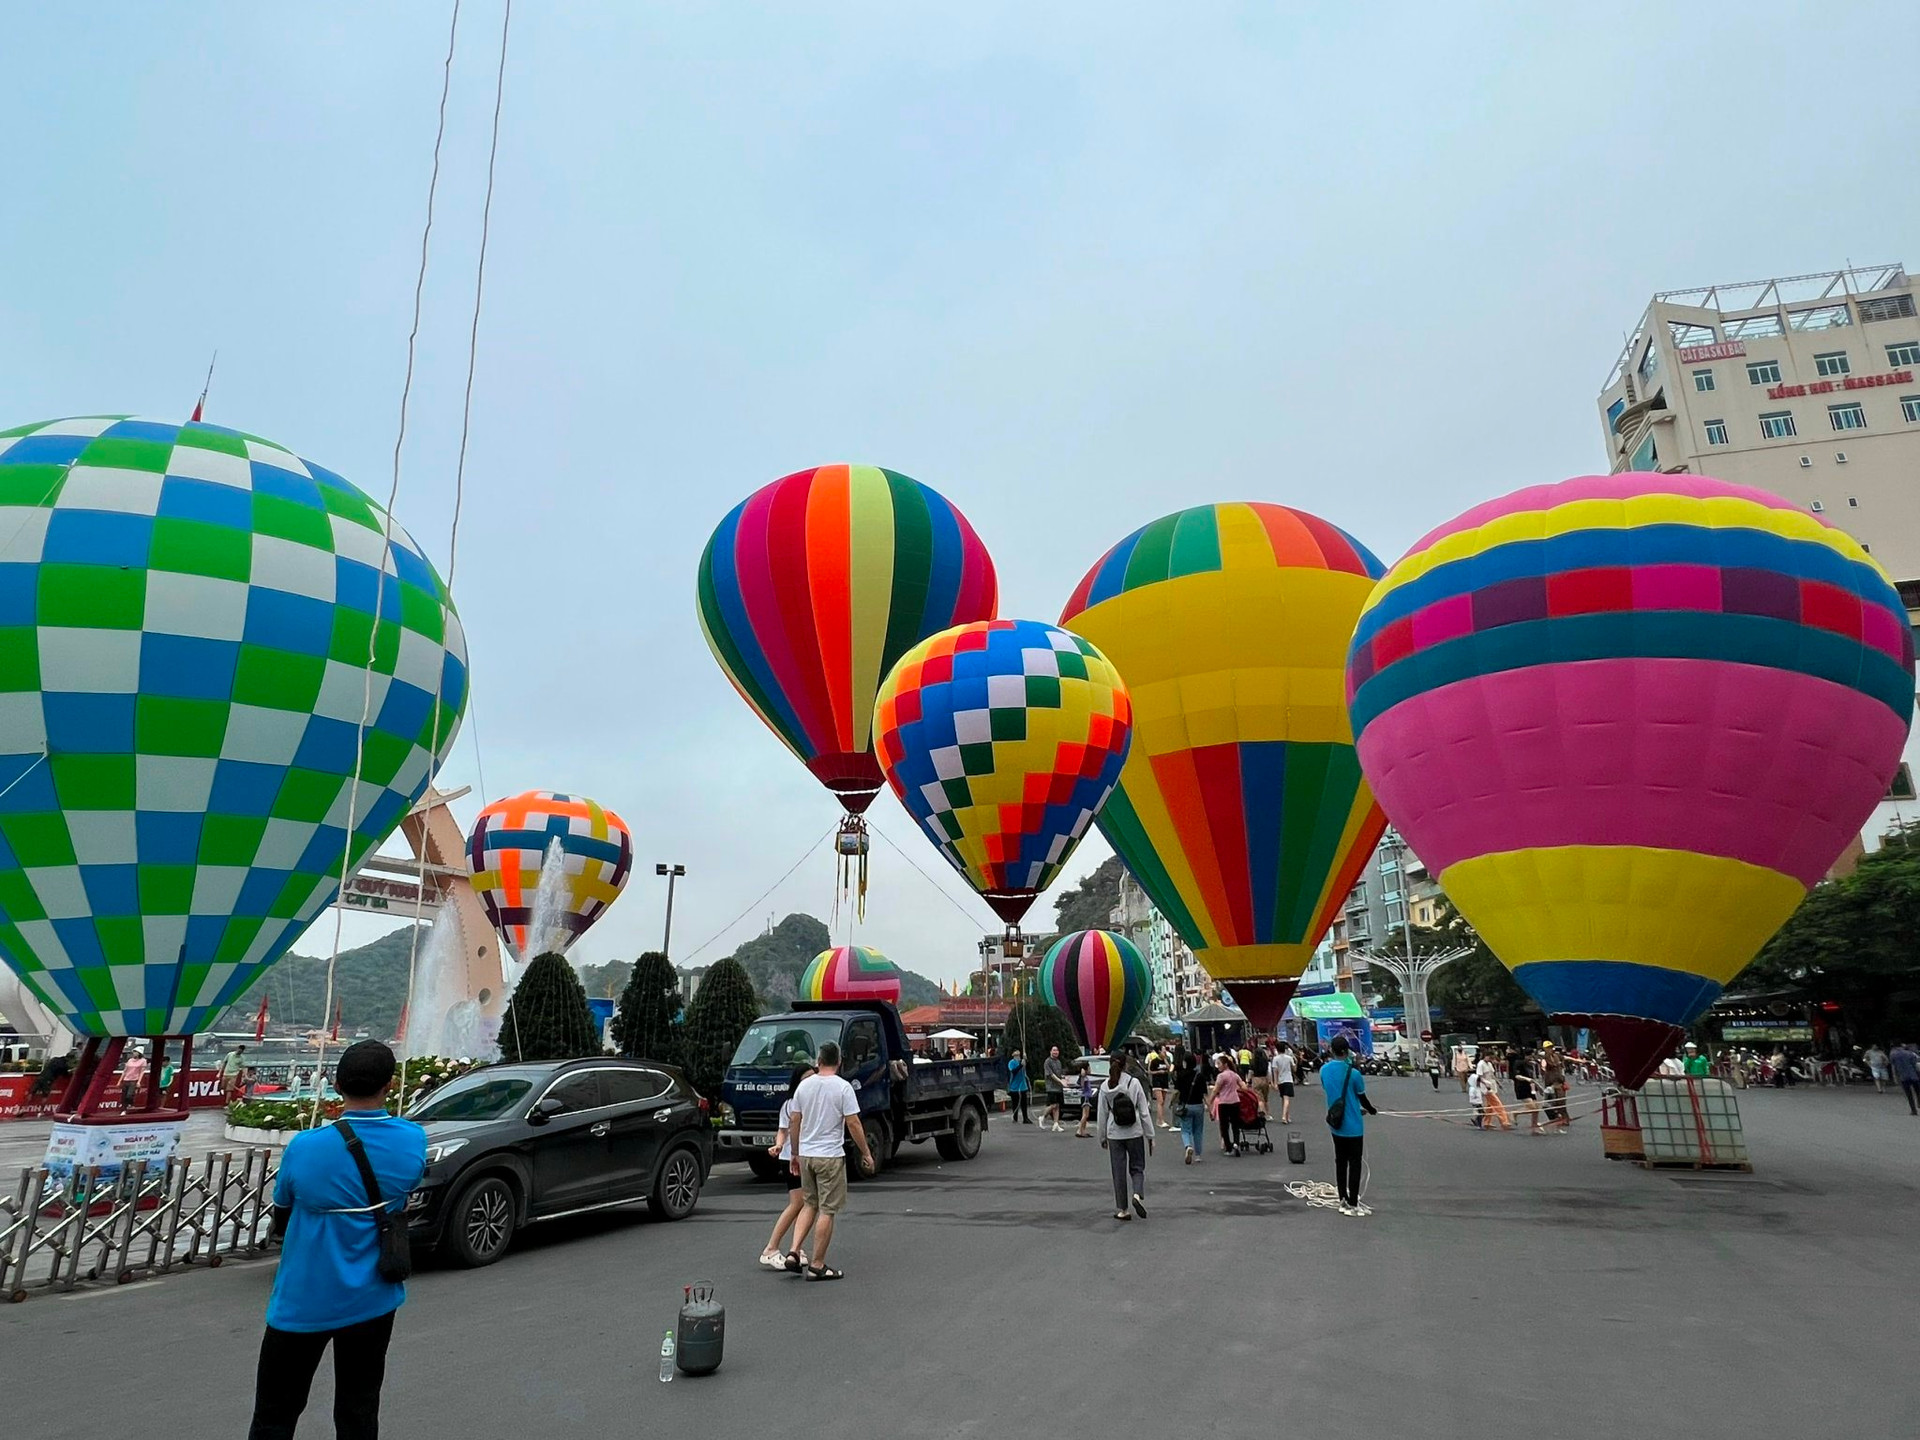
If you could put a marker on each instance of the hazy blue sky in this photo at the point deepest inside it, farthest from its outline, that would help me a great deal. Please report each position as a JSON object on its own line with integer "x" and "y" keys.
{"x": 1073, "y": 265}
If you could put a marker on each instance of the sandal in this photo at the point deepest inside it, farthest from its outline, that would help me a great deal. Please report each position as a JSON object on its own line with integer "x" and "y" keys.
{"x": 794, "y": 1263}
{"x": 772, "y": 1259}
{"x": 824, "y": 1272}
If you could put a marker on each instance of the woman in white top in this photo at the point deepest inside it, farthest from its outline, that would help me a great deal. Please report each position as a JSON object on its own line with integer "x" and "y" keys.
{"x": 785, "y": 1146}
{"x": 1126, "y": 1134}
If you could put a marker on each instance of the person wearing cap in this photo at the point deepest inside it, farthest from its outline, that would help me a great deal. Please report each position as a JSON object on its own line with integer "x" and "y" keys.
{"x": 328, "y": 1289}
{"x": 1695, "y": 1063}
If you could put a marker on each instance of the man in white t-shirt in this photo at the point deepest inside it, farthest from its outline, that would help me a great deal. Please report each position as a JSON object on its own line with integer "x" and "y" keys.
{"x": 825, "y": 1111}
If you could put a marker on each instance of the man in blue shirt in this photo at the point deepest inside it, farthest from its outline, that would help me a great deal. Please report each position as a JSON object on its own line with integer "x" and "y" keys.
{"x": 328, "y": 1289}
{"x": 1347, "y": 1088}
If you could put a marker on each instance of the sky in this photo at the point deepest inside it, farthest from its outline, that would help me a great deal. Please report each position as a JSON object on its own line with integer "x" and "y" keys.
{"x": 1074, "y": 266}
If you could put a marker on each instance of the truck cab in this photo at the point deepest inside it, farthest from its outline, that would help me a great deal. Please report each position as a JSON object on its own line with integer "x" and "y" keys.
{"x": 900, "y": 1101}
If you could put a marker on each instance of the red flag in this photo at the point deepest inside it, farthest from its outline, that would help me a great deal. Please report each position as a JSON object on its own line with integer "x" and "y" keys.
{"x": 260, "y": 1020}
{"x": 200, "y": 405}
{"x": 336, "y": 1020}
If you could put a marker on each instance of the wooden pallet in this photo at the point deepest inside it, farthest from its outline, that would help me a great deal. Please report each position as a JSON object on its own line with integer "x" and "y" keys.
{"x": 1743, "y": 1166}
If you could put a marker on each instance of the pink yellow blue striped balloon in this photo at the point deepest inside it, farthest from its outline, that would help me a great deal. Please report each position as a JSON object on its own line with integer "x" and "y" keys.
{"x": 850, "y": 972}
{"x": 1101, "y": 982}
{"x": 1628, "y": 721}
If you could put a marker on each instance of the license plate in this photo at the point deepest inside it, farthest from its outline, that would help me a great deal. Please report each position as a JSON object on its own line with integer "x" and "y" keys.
{"x": 763, "y": 1141}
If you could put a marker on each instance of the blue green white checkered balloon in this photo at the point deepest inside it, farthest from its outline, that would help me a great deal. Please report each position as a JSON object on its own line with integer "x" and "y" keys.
{"x": 185, "y": 618}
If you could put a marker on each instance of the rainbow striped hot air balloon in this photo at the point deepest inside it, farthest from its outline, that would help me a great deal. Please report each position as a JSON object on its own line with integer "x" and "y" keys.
{"x": 850, "y": 972}
{"x": 813, "y": 587}
{"x": 1003, "y": 739}
{"x": 1101, "y": 983}
{"x": 1628, "y": 721}
{"x": 1241, "y": 811}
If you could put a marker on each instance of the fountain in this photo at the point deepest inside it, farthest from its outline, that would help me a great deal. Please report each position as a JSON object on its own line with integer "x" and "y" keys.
{"x": 443, "y": 1019}
{"x": 547, "y": 929}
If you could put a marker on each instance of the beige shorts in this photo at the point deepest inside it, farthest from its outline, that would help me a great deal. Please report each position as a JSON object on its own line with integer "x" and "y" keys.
{"x": 823, "y": 1183}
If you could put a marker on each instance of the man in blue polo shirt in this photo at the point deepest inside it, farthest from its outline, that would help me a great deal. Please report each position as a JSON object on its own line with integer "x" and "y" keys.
{"x": 328, "y": 1289}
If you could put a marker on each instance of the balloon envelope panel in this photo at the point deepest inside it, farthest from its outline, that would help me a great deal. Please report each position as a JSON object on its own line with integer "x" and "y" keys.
{"x": 1101, "y": 983}
{"x": 1241, "y": 810}
{"x": 186, "y": 612}
{"x": 814, "y": 586}
{"x": 850, "y": 972}
{"x": 1628, "y": 720}
{"x": 1003, "y": 739}
{"x": 508, "y": 849}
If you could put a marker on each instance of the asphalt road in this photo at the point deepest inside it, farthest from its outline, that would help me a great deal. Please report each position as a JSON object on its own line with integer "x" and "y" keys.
{"x": 1504, "y": 1284}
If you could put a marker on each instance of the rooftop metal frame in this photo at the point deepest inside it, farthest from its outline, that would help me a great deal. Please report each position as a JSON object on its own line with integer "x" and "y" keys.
{"x": 1743, "y": 297}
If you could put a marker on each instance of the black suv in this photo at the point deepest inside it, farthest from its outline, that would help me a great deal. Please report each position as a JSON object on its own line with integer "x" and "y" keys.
{"x": 512, "y": 1145}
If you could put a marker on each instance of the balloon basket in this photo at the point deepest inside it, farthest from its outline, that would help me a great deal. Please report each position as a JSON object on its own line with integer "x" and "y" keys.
{"x": 1620, "y": 1126}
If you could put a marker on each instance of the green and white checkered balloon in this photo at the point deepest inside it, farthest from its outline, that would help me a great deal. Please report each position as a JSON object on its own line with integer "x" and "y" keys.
{"x": 186, "y": 613}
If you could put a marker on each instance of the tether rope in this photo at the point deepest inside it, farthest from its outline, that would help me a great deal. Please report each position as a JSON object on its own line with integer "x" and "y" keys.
{"x": 753, "y": 904}
{"x": 386, "y": 553}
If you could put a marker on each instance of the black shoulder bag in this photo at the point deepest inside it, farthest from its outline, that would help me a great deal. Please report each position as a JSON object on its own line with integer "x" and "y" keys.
{"x": 396, "y": 1249}
{"x": 1337, "y": 1112}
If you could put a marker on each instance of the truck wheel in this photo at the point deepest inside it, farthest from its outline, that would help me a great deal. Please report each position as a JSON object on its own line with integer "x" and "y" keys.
{"x": 964, "y": 1142}
{"x": 764, "y": 1166}
{"x": 879, "y": 1141}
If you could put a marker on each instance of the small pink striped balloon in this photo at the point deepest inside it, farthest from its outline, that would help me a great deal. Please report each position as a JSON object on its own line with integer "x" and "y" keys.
{"x": 850, "y": 972}
{"x": 1100, "y": 981}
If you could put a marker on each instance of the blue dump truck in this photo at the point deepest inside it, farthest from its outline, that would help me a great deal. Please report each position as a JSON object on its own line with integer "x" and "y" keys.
{"x": 902, "y": 1100}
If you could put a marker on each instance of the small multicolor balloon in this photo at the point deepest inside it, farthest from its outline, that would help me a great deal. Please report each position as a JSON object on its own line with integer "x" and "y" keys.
{"x": 508, "y": 849}
{"x": 851, "y": 972}
{"x": 1101, "y": 982}
{"x": 1629, "y": 721}
{"x": 1003, "y": 739}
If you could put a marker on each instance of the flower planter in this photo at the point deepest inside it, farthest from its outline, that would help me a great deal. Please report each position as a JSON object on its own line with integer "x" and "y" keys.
{"x": 248, "y": 1135}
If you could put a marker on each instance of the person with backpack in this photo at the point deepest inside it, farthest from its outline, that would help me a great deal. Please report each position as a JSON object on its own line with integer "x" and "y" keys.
{"x": 1126, "y": 1134}
{"x": 1347, "y": 1105}
{"x": 1191, "y": 1081}
{"x": 340, "y": 1201}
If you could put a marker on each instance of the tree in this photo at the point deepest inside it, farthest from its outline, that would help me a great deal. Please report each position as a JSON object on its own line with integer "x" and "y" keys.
{"x": 721, "y": 1010}
{"x": 1855, "y": 941}
{"x": 1476, "y": 989}
{"x": 548, "y": 1018}
{"x": 1034, "y": 1026}
{"x": 644, "y": 1024}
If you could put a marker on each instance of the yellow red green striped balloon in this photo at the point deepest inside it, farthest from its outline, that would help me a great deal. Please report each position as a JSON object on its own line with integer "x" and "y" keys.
{"x": 1101, "y": 983}
{"x": 1241, "y": 810}
{"x": 812, "y": 587}
{"x": 850, "y": 972}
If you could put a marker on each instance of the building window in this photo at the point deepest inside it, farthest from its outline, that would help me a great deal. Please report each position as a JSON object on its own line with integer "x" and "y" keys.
{"x": 1885, "y": 307}
{"x": 1846, "y": 417}
{"x": 1910, "y": 409}
{"x": 1777, "y": 426}
{"x": 1716, "y": 432}
{"x": 1645, "y": 456}
{"x": 1613, "y": 416}
{"x": 1650, "y": 361}
{"x": 1834, "y": 362}
{"x": 1703, "y": 380}
{"x": 1763, "y": 372}
{"x": 1905, "y": 353}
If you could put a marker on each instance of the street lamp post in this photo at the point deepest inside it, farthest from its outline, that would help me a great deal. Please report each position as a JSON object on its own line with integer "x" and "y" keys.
{"x": 672, "y": 872}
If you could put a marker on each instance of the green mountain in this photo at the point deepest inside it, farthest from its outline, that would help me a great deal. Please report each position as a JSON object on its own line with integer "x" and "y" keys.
{"x": 774, "y": 961}
{"x": 1089, "y": 905}
{"x": 370, "y": 984}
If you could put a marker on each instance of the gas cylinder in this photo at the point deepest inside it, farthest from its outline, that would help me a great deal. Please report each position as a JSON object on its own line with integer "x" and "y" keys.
{"x": 1296, "y": 1148}
{"x": 703, "y": 1331}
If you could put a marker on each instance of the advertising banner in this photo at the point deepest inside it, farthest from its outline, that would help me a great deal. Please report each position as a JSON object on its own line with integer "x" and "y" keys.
{"x": 111, "y": 1147}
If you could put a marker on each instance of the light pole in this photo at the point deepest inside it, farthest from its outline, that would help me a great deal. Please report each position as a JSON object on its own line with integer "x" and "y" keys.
{"x": 1409, "y": 969}
{"x": 672, "y": 872}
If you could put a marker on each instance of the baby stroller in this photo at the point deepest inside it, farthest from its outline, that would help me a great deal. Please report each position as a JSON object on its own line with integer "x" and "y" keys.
{"x": 1253, "y": 1125}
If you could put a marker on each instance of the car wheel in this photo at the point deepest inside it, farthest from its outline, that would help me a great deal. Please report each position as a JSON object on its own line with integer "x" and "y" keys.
{"x": 481, "y": 1222}
{"x": 964, "y": 1142}
{"x": 676, "y": 1190}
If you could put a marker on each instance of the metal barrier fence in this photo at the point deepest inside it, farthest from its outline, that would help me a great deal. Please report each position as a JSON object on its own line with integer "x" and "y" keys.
{"x": 58, "y": 1232}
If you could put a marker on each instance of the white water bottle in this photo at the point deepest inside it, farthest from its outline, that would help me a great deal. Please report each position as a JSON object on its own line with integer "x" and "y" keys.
{"x": 666, "y": 1359}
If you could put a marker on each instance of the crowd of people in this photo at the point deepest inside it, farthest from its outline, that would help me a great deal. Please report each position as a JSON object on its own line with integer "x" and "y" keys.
{"x": 1536, "y": 1077}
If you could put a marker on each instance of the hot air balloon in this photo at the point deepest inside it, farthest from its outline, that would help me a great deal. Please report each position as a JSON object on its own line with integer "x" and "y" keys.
{"x": 813, "y": 587}
{"x": 188, "y": 612}
{"x": 850, "y": 972}
{"x": 1100, "y": 981}
{"x": 1628, "y": 721}
{"x": 508, "y": 852}
{"x": 1003, "y": 739}
{"x": 1241, "y": 811}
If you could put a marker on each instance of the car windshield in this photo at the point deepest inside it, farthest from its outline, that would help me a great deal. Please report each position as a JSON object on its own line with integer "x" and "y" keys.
{"x": 483, "y": 1095}
{"x": 785, "y": 1042}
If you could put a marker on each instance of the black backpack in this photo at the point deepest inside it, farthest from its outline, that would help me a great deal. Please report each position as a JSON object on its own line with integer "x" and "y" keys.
{"x": 1121, "y": 1108}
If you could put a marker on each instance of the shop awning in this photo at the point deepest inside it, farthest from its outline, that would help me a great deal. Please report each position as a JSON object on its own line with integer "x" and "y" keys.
{"x": 1337, "y": 1006}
